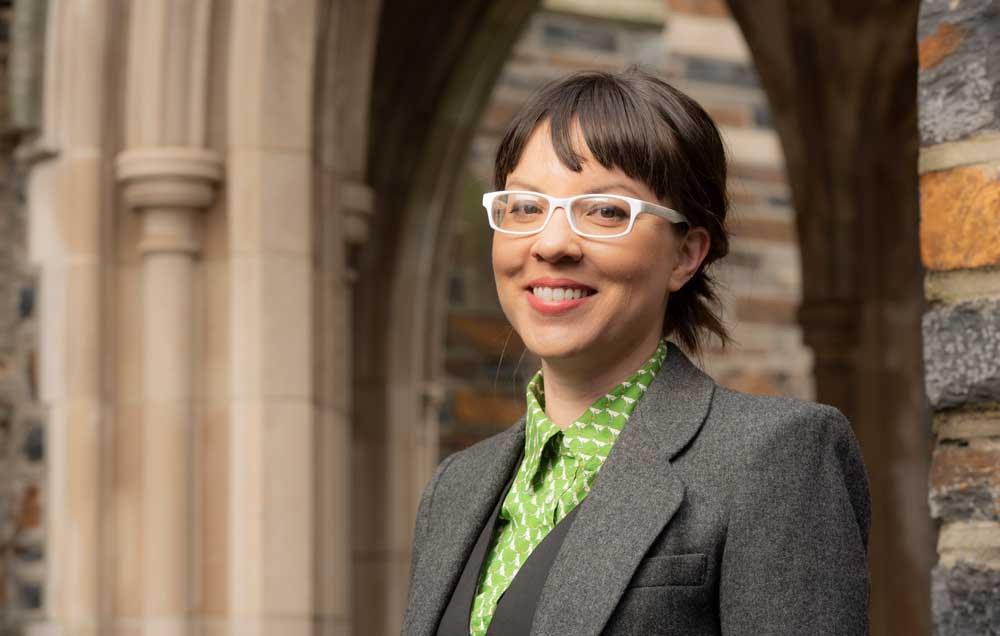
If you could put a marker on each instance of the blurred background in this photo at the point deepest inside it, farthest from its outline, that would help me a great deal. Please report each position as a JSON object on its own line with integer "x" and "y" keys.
{"x": 246, "y": 300}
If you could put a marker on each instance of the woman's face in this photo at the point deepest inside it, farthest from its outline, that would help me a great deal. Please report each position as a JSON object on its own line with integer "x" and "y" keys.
{"x": 626, "y": 280}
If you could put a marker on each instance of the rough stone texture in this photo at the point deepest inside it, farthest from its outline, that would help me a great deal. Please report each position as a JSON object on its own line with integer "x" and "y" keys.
{"x": 962, "y": 353}
{"x": 959, "y": 73}
{"x": 965, "y": 482}
{"x": 22, "y": 424}
{"x": 965, "y": 600}
{"x": 22, "y": 428}
{"x": 962, "y": 284}
{"x": 960, "y": 217}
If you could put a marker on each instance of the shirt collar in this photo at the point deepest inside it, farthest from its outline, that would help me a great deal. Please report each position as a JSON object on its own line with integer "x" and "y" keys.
{"x": 589, "y": 437}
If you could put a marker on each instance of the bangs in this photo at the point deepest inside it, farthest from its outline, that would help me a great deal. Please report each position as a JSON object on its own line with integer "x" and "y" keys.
{"x": 617, "y": 120}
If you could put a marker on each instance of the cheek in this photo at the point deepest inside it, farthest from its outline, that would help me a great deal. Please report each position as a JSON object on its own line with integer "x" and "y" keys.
{"x": 643, "y": 276}
{"x": 506, "y": 260}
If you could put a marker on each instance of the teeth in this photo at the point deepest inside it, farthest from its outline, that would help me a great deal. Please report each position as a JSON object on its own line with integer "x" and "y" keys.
{"x": 556, "y": 294}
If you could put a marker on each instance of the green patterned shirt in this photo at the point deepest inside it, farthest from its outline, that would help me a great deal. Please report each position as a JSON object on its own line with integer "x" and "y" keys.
{"x": 555, "y": 475}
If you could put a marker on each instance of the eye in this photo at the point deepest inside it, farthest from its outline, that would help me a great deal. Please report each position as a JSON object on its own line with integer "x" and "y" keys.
{"x": 525, "y": 208}
{"x": 611, "y": 213}
{"x": 605, "y": 212}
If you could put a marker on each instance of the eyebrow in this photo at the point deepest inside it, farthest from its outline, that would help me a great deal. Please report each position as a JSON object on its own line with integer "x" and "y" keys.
{"x": 605, "y": 188}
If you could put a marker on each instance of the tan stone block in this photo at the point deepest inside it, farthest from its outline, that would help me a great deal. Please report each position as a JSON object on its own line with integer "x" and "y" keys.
{"x": 214, "y": 327}
{"x": 767, "y": 310}
{"x": 333, "y": 626}
{"x": 167, "y": 489}
{"x": 286, "y": 336}
{"x": 213, "y": 626}
{"x": 717, "y": 8}
{"x": 271, "y": 524}
{"x": 333, "y": 514}
{"x": 83, "y": 336}
{"x": 246, "y": 367}
{"x": 271, "y": 201}
{"x": 213, "y": 226}
{"x": 963, "y": 284}
{"x": 128, "y": 335}
{"x": 126, "y": 496}
{"x": 960, "y": 217}
{"x": 964, "y": 425}
{"x": 705, "y": 36}
{"x": 213, "y": 539}
{"x": 78, "y": 204}
{"x": 247, "y": 475}
{"x": 128, "y": 230}
{"x": 763, "y": 228}
{"x": 971, "y": 541}
{"x": 271, "y": 626}
{"x": 125, "y": 627}
{"x": 271, "y": 81}
{"x": 288, "y": 509}
{"x": 75, "y": 460}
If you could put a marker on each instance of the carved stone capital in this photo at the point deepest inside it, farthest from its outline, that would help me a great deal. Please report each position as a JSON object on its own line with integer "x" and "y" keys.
{"x": 169, "y": 177}
{"x": 357, "y": 203}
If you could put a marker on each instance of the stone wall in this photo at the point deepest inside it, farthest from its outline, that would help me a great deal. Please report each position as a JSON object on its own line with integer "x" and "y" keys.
{"x": 22, "y": 430}
{"x": 959, "y": 100}
{"x": 486, "y": 365}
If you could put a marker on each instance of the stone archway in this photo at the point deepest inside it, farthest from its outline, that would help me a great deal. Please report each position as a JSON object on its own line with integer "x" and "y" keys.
{"x": 423, "y": 121}
{"x": 327, "y": 115}
{"x": 841, "y": 81}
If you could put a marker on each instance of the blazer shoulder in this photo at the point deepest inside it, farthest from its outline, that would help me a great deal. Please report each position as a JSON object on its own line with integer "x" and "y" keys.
{"x": 768, "y": 420}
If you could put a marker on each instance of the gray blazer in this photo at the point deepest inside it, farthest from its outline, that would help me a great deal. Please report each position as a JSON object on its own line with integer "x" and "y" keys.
{"x": 717, "y": 512}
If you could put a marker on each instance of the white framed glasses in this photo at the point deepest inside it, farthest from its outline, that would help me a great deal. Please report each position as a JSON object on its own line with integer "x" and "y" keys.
{"x": 521, "y": 213}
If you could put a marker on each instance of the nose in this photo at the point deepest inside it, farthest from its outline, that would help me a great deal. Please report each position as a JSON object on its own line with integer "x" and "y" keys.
{"x": 557, "y": 241}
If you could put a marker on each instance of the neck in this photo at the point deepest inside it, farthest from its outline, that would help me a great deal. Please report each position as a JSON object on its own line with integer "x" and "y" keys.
{"x": 572, "y": 385}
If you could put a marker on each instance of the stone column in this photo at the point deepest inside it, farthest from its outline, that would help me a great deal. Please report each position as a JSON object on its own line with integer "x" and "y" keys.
{"x": 169, "y": 187}
{"x": 959, "y": 102}
{"x": 273, "y": 561}
{"x": 65, "y": 190}
{"x": 168, "y": 177}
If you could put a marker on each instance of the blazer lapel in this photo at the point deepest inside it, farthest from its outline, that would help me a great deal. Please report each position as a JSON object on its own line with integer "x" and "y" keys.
{"x": 633, "y": 498}
{"x": 471, "y": 485}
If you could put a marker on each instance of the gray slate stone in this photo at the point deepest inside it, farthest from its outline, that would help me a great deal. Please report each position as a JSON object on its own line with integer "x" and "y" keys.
{"x": 962, "y": 353}
{"x": 960, "y": 96}
{"x": 964, "y": 598}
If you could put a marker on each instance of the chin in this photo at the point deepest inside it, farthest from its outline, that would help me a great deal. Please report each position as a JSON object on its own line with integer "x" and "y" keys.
{"x": 555, "y": 344}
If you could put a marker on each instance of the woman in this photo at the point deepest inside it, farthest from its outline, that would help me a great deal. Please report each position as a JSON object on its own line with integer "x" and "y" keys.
{"x": 636, "y": 496}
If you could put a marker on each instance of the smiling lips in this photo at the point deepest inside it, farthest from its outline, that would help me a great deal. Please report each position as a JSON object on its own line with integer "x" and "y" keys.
{"x": 552, "y": 297}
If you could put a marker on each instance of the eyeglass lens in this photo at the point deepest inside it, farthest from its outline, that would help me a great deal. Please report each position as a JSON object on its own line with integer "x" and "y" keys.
{"x": 522, "y": 212}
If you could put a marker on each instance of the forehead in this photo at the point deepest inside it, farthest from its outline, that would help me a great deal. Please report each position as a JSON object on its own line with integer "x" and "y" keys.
{"x": 540, "y": 168}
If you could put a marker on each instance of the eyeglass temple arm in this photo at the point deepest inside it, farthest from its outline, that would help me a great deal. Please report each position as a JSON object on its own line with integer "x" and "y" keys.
{"x": 663, "y": 212}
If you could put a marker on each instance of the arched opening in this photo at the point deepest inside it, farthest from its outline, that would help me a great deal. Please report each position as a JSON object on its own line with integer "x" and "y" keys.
{"x": 421, "y": 123}
{"x": 855, "y": 205}
{"x": 841, "y": 80}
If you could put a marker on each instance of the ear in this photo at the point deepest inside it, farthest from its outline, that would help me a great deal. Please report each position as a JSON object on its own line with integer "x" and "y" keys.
{"x": 692, "y": 249}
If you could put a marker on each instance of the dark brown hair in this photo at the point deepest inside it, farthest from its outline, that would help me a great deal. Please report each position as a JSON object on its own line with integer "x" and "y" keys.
{"x": 657, "y": 135}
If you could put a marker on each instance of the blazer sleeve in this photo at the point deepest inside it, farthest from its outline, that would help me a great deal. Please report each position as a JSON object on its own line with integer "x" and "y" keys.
{"x": 795, "y": 555}
{"x": 423, "y": 517}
